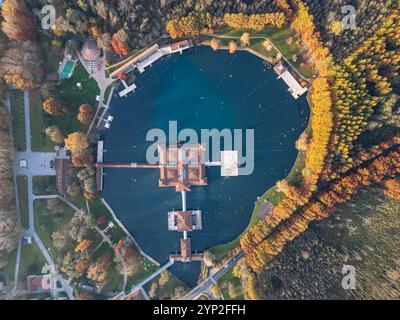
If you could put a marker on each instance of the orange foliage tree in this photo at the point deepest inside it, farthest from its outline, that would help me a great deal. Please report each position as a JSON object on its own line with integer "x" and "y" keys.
{"x": 18, "y": 23}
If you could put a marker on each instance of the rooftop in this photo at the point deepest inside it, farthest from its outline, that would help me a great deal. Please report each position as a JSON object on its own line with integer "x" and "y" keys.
{"x": 90, "y": 51}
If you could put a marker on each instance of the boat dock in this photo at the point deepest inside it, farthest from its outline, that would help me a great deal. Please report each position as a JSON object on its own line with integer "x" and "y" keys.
{"x": 295, "y": 88}
{"x": 145, "y": 59}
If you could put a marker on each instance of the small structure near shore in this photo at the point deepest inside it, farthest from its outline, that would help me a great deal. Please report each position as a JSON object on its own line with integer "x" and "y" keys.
{"x": 295, "y": 88}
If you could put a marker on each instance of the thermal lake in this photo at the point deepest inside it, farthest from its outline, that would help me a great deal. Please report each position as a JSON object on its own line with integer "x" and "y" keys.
{"x": 200, "y": 89}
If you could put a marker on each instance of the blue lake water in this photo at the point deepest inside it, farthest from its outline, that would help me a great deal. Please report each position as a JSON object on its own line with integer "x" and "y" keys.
{"x": 200, "y": 89}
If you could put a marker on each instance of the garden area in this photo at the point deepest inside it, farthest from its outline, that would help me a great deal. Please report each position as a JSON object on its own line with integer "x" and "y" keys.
{"x": 166, "y": 287}
{"x": 18, "y": 119}
{"x": 23, "y": 200}
{"x": 285, "y": 39}
{"x": 44, "y": 185}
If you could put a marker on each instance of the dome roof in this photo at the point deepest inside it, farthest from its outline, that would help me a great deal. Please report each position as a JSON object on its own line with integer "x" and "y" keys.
{"x": 90, "y": 50}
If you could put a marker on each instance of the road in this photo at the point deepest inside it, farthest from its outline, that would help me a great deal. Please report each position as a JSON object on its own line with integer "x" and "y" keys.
{"x": 212, "y": 279}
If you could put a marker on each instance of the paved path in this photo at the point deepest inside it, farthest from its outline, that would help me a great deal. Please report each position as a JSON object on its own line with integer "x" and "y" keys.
{"x": 213, "y": 278}
{"x": 38, "y": 165}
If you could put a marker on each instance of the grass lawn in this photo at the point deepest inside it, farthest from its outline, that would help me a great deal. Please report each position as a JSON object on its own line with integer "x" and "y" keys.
{"x": 97, "y": 209}
{"x": 115, "y": 279}
{"x": 279, "y": 37}
{"x": 39, "y": 122}
{"x": 44, "y": 185}
{"x": 107, "y": 93}
{"x": 47, "y": 223}
{"x": 145, "y": 268}
{"x": 23, "y": 200}
{"x": 166, "y": 291}
{"x": 32, "y": 261}
{"x": 223, "y": 285}
{"x": 74, "y": 98}
{"x": 18, "y": 119}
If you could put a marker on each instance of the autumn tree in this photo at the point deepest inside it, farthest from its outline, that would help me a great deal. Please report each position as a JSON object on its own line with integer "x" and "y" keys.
{"x": 232, "y": 46}
{"x": 55, "y": 134}
{"x": 392, "y": 188}
{"x": 5, "y": 119}
{"x": 18, "y": 23}
{"x": 98, "y": 271}
{"x": 302, "y": 142}
{"x": 21, "y": 65}
{"x": 245, "y": 39}
{"x": 9, "y": 232}
{"x": 79, "y": 225}
{"x": 77, "y": 143}
{"x": 54, "y": 106}
{"x": 86, "y": 113}
{"x": 119, "y": 42}
{"x": 214, "y": 43}
{"x": 336, "y": 27}
{"x": 74, "y": 190}
{"x": 190, "y": 25}
{"x": 55, "y": 206}
{"x": 60, "y": 238}
{"x": 83, "y": 246}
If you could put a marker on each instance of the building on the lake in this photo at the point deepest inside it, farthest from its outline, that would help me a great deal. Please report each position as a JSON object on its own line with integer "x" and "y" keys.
{"x": 182, "y": 166}
{"x": 184, "y": 220}
{"x": 295, "y": 87}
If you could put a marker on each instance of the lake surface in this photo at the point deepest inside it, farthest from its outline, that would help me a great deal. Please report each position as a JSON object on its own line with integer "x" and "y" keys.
{"x": 200, "y": 89}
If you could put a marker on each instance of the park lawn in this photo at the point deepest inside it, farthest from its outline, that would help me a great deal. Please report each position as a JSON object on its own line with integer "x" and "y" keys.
{"x": 44, "y": 185}
{"x": 257, "y": 45}
{"x": 114, "y": 278}
{"x": 68, "y": 91}
{"x": 144, "y": 269}
{"x": 39, "y": 122}
{"x": 230, "y": 278}
{"x": 18, "y": 119}
{"x": 23, "y": 200}
{"x": 166, "y": 291}
{"x": 107, "y": 93}
{"x": 32, "y": 261}
{"x": 97, "y": 209}
{"x": 279, "y": 37}
{"x": 46, "y": 224}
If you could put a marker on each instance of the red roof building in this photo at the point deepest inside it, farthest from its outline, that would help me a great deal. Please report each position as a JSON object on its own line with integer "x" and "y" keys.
{"x": 185, "y": 221}
{"x": 63, "y": 175}
{"x": 90, "y": 51}
{"x": 38, "y": 284}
